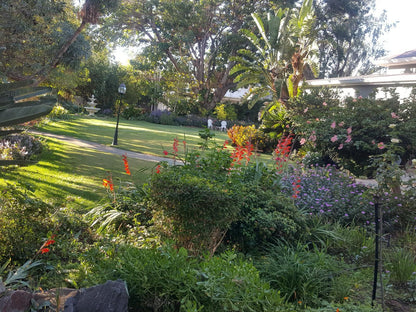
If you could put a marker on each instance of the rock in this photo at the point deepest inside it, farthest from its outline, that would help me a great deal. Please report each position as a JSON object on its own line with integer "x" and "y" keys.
{"x": 15, "y": 301}
{"x": 109, "y": 297}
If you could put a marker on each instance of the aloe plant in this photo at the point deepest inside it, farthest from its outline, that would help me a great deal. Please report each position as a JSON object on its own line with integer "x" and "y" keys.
{"x": 17, "y": 103}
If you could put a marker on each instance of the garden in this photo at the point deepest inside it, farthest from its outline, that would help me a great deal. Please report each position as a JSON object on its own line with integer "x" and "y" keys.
{"x": 305, "y": 203}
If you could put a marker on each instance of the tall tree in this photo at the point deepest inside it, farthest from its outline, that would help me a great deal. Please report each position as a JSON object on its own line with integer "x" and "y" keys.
{"x": 283, "y": 45}
{"x": 37, "y": 36}
{"x": 196, "y": 37}
{"x": 348, "y": 35}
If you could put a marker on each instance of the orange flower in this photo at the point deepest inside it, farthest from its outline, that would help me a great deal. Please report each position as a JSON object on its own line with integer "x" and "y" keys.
{"x": 44, "y": 250}
{"x": 49, "y": 242}
{"x": 126, "y": 165}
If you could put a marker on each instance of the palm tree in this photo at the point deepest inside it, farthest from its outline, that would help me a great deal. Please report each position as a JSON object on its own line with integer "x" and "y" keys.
{"x": 283, "y": 47}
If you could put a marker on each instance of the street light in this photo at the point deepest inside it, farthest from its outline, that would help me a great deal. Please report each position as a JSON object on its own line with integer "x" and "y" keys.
{"x": 121, "y": 91}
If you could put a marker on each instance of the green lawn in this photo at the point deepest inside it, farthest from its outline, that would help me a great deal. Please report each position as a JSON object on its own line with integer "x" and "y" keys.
{"x": 136, "y": 136}
{"x": 70, "y": 176}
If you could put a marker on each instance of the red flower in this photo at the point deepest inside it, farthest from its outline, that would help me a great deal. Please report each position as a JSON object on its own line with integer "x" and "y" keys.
{"x": 126, "y": 165}
{"x": 165, "y": 152}
{"x": 44, "y": 250}
{"x": 175, "y": 145}
{"x": 49, "y": 242}
{"x": 158, "y": 169}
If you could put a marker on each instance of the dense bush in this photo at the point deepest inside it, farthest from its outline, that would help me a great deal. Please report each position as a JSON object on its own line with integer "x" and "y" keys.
{"x": 19, "y": 147}
{"x": 241, "y": 135}
{"x": 195, "y": 203}
{"x": 132, "y": 112}
{"x": 303, "y": 275}
{"x": 24, "y": 223}
{"x": 330, "y": 194}
{"x": 352, "y": 132}
{"x": 169, "y": 280}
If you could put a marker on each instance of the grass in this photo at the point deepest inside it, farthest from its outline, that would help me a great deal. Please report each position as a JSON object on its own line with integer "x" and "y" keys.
{"x": 133, "y": 135}
{"x": 68, "y": 175}
{"x": 71, "y": 176}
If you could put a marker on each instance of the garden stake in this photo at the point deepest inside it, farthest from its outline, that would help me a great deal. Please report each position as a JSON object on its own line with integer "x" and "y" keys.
{"x": 377, "y": 259}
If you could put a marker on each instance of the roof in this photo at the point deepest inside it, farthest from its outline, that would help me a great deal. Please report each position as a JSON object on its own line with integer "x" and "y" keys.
{"x": 369, "y": 80}
{"x": 405, "y": 58}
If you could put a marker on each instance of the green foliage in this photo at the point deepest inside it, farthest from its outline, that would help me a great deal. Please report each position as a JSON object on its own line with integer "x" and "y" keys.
{"x": 241, "y": 135}
{"x": 352, "y": 133}
{"x": 349, "y": 44}
{"x": 169, "y": 280}
{"x": 18, "y": 106}
{"x": 58, "y": 112}
{"x": 301, "y": 274}
{"x": 24, "y": 222}
{"x": 266, "y": 214}
{"x": 18, "y": 278}
{"x": 401, "y": 263}
{"x": 225, "y": 112}
{"x": 193, "y": 206}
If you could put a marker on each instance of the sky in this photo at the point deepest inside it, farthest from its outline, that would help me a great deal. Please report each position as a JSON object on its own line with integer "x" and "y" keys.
{"x": 400, "y": 39}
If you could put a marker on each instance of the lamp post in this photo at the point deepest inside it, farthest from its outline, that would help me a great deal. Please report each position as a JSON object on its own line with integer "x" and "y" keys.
{"x": 121, "y": 91}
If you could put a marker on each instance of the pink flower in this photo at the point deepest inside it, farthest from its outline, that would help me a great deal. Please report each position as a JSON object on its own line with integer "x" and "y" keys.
{"x": 341, "y": 124}
{"x": 333, "y": 125}
{"x": 324, "y": 104}
{"x": 308, "y": 121}
{"x": 348, "y": 140}
{"x": 381, "y": 145}
{"x": 354, "y": 100}
{"x": 393, "y": 115}
{"x": 334, "y": 138}
{"x": 349, "y": 130}
{"x": 360, "y": 97}
{"x": 341, "y": 146}
{"x": 312, "y": 138}
{"x": 305, "y": 110}
{"x": 302, "y": 141}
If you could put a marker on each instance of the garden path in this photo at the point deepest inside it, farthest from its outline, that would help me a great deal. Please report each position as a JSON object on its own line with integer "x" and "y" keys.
{"x": 104, "y": 148}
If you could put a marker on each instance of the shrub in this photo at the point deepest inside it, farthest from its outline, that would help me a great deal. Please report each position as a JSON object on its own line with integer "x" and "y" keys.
{"x": 401, "y": 263}
{"x": 352, "y": 132}
{"x": 169, "y": 280}
{"x": 300, "y": 274}
{"x": 58, "y": 112}
{"x": 132, "y": 112}
{"x": 19, "y": 147}
{"x": 193, "y": 209}
{"x": 24, "y": 222}
{"x": 241, "y": 135}
{"x": 330, "y": 194}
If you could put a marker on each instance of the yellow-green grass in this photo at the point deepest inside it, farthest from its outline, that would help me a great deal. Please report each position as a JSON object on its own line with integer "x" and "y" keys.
{"x": 133, "y": 135}
{"x": 69, "y": 176}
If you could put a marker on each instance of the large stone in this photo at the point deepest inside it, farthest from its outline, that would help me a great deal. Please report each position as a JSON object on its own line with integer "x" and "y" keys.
{"x": 109, "y": 297}
{"x": 15, "y": 301}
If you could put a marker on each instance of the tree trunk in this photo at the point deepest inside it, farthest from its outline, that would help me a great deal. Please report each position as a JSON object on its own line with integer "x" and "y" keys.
{"x": 43, "y": 74}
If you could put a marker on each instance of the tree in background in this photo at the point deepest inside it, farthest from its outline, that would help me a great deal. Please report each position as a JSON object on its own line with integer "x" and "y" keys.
{"x": 197, "y": 38}
{"x": 348, "y": 36}
{"x": 37, "y": 36}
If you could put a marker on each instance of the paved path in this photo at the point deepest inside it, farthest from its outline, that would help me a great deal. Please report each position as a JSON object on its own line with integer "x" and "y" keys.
{"x": 104, "y": 148}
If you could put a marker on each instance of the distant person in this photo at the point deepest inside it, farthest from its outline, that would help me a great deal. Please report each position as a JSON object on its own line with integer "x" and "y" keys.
{"x": 209, "y": 123}
{"x": 223, "y": 125}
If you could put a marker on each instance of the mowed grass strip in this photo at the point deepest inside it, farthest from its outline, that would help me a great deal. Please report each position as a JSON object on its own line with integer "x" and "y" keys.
{"x": 136, "y": 136}
{"x": 70, "y": 176}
